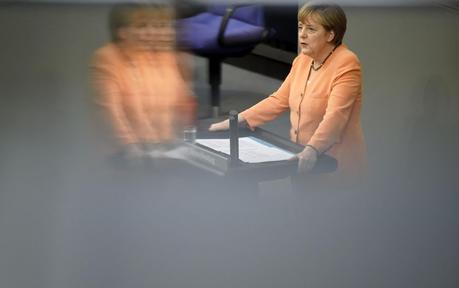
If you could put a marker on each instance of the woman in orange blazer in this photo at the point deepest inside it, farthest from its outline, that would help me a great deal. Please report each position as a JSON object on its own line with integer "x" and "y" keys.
{"x": 323, "y": 92}
{"x": 139, "y": 78}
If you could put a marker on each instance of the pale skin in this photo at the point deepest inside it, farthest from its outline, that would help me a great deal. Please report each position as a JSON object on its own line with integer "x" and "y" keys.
{"x": 316, "y": 42}
{"x": 148, "y": 34}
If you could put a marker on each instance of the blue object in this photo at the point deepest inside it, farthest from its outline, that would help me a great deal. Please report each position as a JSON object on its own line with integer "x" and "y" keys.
{"x": 222, "y": 31}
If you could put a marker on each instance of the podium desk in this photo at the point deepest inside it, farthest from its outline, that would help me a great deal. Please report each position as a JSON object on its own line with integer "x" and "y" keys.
{"x": 194, "y": 167}
{"x": 220, "y": 163}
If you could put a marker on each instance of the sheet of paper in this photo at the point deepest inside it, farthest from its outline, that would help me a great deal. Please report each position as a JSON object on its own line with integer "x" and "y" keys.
{"x": 251, "y": 149}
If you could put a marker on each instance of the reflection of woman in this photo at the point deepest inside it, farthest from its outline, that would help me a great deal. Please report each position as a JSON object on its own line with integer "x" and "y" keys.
{"x": 322, "y": 91}
{"x": 139, "y": 78}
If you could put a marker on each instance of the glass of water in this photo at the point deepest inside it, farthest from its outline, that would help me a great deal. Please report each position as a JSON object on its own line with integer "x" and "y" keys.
{"x": 189, "y": 134}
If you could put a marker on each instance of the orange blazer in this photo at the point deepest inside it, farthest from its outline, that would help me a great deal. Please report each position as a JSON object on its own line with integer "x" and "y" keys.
{"x": 325, "y": 112}
{"x": 144, "y": 93}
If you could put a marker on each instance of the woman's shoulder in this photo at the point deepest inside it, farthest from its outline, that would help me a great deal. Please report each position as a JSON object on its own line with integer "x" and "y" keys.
{"x": 107, "y": 53}
{"x": 300, "y": 61}
{"x": 345, "y": 56}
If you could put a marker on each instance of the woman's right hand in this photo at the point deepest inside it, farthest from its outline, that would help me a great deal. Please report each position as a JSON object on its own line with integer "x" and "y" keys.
{"x": 219, "y": 126}
{"x": 224, "y": 125}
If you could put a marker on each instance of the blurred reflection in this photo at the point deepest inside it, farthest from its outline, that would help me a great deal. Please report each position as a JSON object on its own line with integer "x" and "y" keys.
{"x": 140, "y": 79}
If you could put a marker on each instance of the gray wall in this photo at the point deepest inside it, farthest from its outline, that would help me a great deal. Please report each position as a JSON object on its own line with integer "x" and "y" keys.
{"x": 411, "y": 67}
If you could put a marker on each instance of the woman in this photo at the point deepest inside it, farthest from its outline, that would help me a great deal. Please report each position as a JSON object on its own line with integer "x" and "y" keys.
{"x": 140, "y": 80}
{"x": 323, "y": 93}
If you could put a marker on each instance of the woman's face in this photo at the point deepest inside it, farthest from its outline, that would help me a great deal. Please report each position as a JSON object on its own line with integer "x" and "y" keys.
{"x": 144, "y": 33}
{"x": 313, "y": 38}
{"x": 153, "y": 34}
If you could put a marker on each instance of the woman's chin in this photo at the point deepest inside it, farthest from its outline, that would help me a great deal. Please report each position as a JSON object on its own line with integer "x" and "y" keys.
{"x": 305, "y": 52}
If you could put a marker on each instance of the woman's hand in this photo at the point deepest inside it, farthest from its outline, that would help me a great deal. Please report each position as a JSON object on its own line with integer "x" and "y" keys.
{"x": 307, "y": 159}
{"x": 219, "y": 126}
{"x": 224, "y": 125}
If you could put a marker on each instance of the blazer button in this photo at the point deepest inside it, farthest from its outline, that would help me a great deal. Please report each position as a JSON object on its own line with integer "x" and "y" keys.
{"x": 296, "y": 131}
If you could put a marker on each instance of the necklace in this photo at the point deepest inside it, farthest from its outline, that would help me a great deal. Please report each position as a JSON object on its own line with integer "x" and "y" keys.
{"x": 323, "y": 62}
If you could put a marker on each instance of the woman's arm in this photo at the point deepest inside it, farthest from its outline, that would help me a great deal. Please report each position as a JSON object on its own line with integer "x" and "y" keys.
{"x": 273, "y": 105}
{"x": 105, "y": 83}
{"x": 265, "y": 110}
{"x": 346, "y": 88}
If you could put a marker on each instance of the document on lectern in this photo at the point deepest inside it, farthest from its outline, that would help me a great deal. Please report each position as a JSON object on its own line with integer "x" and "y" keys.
{"x": 251, "y": 149}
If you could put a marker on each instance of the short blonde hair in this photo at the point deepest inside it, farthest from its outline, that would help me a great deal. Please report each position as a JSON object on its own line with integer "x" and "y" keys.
{"x": 158, "y": 12}
{"x": 121, "y": 16}
{"x": 329, "y": 15}
{"x": 124, "y": 15}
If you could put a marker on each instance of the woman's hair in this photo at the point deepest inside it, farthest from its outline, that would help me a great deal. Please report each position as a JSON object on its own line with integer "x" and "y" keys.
{"x": 120, "y": 16}
{"x": 329, "y": 15}
{"x": 123, "y": 15}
